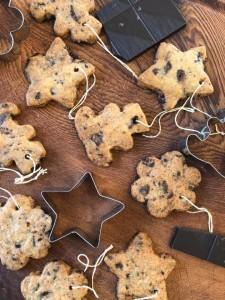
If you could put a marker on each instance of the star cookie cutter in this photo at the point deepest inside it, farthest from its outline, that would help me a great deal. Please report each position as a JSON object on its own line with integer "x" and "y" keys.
{"x": 203, "y": 135}
{"x": 96, "y": 216}
{"x": 13, "y": 29}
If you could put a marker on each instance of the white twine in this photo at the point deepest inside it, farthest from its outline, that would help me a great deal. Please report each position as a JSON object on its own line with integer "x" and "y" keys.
{"x": 148, "y": 297}
{"x": 103, "y": 45}
{"x": 87, "y": 266}
{"x": 190, "y": 99}
{"x": 24, "y": 179}
{"x": 191, "y": 109}
{"x": 10, "y": 197}
{"x": 159, "y": 116}
{"x": 201, "y": 210}
{"x": 84, "y": 97}
{"x": 218, "y": 132}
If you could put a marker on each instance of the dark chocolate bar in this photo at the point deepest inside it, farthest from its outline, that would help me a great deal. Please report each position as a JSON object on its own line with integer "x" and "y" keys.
{"x": 203, "y": 245}
{"x": 133, "y": 26}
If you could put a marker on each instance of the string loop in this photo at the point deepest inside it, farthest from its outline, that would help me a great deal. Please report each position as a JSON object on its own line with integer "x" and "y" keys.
{"x": 10, "y": 197}
{"x": 84, "y": 97}
{"x": 200, "y": 210}
{"x": 87, "y": 265}
{"x": 24, "y": 179}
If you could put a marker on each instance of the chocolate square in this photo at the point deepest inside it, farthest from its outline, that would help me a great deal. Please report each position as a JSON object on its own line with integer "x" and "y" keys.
{"x": 133, "y": 26}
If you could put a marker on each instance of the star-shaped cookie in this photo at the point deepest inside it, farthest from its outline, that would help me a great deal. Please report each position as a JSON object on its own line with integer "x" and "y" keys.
{"x": 70, "y": 17}
{"x": 56, "y": 76}
{"x": 163, "y": 182}
{"x": 176, "y": 74}
{"x": 24, "y": 232}
{"x": 57, "y": 282}
{"x": 15, "y": 141}
{"x": 141, "y": 273}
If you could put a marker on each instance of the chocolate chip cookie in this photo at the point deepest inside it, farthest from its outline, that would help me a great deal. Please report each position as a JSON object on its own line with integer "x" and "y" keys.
{"x": 110, "y": 129}
{"x": 56, "y": 282}
{"x": 141, "y": 273}
{"x": 24, "y": 232}
{"x": 176, "y": 74}
{"x": 70, "y": 17}
{"x": 163, "y": 182}
{"x": 15, "y": 141}
{"x": 56, "y": 76}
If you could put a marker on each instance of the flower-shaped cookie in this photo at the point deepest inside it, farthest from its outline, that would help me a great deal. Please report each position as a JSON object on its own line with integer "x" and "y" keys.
{"x": 164, "y": 182}
{"x": 24, "y": 232}
{"x": 57, "y": 282}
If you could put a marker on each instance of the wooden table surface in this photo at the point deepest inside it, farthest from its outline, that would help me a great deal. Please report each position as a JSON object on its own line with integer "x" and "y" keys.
{"x": 192, "y": 278}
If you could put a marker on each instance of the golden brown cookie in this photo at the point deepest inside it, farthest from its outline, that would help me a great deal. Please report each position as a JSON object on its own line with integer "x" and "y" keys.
{"x": 56, "y": 282}
{"x": 110, "y": 129}
{"x": 176, "y": 74}
{"x": 56, "y": 76}
{"x": 163, "y": 182}
{"x": 70, "y": 17}
{"x": 24, "y": 232}
{"x": 141, "y": 273}
{"x": 15, "y": 141}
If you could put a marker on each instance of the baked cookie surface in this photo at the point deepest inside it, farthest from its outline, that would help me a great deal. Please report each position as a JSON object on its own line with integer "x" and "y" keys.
{"x": 24, "y": 232}
{"x": 55, "y": 283}
{"x": 163, "y": 182}
{"x": 176, "y": 74}
{"x": 110, "y": 129}
{"x": 141, "y": 273}
{"x": 56, "y": 76}
{"x": 70, "y": 17}
{"x": 15, "y": 141}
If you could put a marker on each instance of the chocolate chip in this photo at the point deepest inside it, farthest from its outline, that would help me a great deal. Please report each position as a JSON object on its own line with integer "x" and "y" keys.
{"x": 97, "y": 138}
{"x": 3, "y": 117}
{"x": 76, "y": 70}
{"x": 168, "y": 67}
{"x": 43, "y": 294}
{"x": 149, "y": 162}
{"x": 133, "y": 122}
{"x": 4, "y": 105}
{"x": 170, "y": 195}
{"x": 155, "y": 71}
{"x": 119, "y": 266}
{"x": 38, "y": 96}
{"x": 199, "y": 57}
{"x": 163, "y": 184}
{"x": 161, "y": 98}
{"x": 154, "y": 291}
{"x": 73, "y": 14}
{"x": 51, "y": 61}
{"x": 144, "y": 190}
{"x": 18, "y": 246}
{"x": 180, "y": 75}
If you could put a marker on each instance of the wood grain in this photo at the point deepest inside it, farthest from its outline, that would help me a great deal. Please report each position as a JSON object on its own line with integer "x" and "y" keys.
{"x": 192, "y": 279}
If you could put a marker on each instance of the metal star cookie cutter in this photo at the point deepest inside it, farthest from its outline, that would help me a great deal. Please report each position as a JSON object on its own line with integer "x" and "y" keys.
{"x": 203, "y": 135}
{"x": 13, "y": 18}
{"x": 110, "y": 208}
